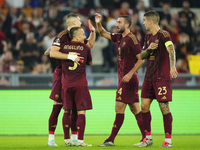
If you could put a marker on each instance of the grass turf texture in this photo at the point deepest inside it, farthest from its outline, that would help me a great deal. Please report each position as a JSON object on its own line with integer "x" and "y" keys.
{"x": 180, "y": 142}
{"x": 26, "y": 112}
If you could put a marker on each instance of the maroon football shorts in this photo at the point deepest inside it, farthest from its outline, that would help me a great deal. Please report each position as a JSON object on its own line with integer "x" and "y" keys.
{"x": 56, "y": 92}
{"x": 128, "y": 92}
{"x": 162, "y": 90}
{"x": 79, "y": 95}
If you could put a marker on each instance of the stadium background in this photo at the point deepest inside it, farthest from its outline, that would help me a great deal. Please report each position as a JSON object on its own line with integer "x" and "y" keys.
{"x": 26, "y": 112}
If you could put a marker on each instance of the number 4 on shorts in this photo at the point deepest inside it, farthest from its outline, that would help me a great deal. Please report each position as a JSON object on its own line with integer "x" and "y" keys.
{"x": 120, "y": 91}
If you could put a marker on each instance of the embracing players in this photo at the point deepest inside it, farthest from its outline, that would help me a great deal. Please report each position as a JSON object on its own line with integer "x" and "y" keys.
{"x": 72, "y": 20}
{"x": 74, "y": 84}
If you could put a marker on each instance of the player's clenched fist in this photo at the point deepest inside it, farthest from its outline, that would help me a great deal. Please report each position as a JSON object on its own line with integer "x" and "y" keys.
{"x": 97, "y": 18}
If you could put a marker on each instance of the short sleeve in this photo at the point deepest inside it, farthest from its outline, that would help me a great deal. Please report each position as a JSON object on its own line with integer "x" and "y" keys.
{"x": 135, "y": 46}
{"x": 85, "y": 41}
{"x": 61, "y": 38}
{"x": 166, "y": 38}
{"x": 89, "y": 57}
{"x": 115, "y": 37}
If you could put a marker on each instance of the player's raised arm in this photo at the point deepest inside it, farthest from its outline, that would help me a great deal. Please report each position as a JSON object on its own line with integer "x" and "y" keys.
{"x": 100, "y": 29}
{"x": 92, "y": 36}
{"x": 172, "y": 57}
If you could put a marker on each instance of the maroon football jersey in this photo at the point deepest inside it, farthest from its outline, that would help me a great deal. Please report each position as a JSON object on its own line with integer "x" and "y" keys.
{"x": 61, "y": 38}
{"x": 158, "y": 64}
{"x": 72, "y": 73}
{"x": 127, "y": 49}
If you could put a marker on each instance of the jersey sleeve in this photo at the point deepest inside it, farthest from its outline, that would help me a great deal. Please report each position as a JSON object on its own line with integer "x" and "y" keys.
{"x": 135, "y": 45}
{"x": 115, "y": 37}
{"x": 89, "y": 57}
{"x": 60, "y": 38}
{"x": 166, "y": 39}
{"x": 85, "y": 41}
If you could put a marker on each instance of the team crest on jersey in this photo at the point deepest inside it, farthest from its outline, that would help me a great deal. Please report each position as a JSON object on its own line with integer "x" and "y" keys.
{"x": 156, "y": 41}
{"x": 56, "y": 96}
{"x": 123, "y": 44}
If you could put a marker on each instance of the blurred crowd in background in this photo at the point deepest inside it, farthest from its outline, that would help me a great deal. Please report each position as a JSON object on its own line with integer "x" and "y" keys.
{"x": 28, "y": 27}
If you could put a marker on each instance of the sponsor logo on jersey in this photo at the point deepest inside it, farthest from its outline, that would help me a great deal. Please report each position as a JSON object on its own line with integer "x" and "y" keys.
{"x": 147, "y": 42}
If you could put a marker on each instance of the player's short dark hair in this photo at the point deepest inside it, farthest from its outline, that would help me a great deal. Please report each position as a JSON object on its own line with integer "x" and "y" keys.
{"x": 71, "y": 15}
{"x": 127, "y": 19}
{"x": 72, "y": 31}
{"x": 153, "y": 15}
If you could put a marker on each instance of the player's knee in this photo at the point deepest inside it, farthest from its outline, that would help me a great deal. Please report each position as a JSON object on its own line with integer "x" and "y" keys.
{"x": 144, "y": 108}
{"x": 119, "y": 110}
{"x": 133, "y": 111}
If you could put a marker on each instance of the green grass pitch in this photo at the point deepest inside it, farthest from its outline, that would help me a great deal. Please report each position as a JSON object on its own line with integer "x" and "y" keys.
{"x": 24, "y": 118}
{"x": 122, "y": 142}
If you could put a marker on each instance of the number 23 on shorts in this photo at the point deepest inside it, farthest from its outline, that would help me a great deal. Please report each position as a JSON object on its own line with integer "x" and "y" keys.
{"x": 162, "y": 90}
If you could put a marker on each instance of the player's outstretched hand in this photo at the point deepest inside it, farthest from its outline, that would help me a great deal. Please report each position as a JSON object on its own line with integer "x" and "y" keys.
{"x": 97, "y": 18}
{"x": 153, "y": 46}
{"x": 173, "y": 72}
{"x": 79, "y": 60}
{"x": 126, "y": 78}
{"x": 91, "y": 27}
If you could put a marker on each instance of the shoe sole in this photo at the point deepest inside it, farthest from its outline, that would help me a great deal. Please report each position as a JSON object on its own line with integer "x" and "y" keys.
{"x": 147, "y": 145}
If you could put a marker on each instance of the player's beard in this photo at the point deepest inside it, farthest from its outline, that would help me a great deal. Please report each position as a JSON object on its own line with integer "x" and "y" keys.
{"x": 121, "y": 30}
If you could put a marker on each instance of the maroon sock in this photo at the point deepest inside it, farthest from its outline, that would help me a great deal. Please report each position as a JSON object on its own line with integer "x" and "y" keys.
{"x": 66, "y": 125}
{"x": 167, "y": 119}
{"x": 146, "y": 117}
{"x": 53, "y": 119}
{"x": 119, "y": 119}
{"x": 80, "y": 126}
{"x": 73, "y": 122}
{"x": 140, "y": 124}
